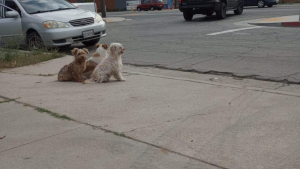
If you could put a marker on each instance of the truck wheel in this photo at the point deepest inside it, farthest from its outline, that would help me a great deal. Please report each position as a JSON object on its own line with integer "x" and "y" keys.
{"x": 138, "y": 9}
{"x": 187, "y": 16}
{"x": 152, "y": 8}
{"x": 239, "y": 9}
{"x": 261, "y": 4}
{"x": 221, "y": 14}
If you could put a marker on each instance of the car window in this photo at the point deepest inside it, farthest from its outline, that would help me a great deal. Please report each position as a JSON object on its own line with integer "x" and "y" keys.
{"x": 13, "y": 5}
{"x": 3, "y": 11}
{"x": 144, "y": 1}
{"x": 39, "y": 6}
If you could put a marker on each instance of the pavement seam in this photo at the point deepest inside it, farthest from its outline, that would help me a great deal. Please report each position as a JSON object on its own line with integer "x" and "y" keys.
{"x": 218, "y": 84}
{"x": 28, "y": 74}
{"x": 39, "y": 139}
{"x": 112, "y": 132}
{"x": 213, "y": 72}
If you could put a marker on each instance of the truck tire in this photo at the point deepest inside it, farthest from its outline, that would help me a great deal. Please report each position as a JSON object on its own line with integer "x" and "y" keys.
{"x": 239, "y": 9}
{"x": 221, "y": 14}
{"x": 188, "y": 16}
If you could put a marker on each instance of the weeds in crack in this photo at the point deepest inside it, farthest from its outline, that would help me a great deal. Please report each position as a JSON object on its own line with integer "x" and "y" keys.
{"x": 8, "y": 100}
{"x": 119, "y": 134}
{"x": 56, "y": 115}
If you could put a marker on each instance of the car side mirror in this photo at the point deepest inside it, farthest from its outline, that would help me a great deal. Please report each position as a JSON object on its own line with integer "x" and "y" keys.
{"x": 12, "y": 14}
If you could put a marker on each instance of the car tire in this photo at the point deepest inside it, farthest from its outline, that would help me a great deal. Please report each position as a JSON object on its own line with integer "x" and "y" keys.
{"x": 91, "y": 42}
{"x": 34, "y": 41}
{"x": 221, "y": 14}
{"x": 188, "y": 16}
{"x": 152, "y": 8}
{"x": 239, "y": 9}
{"x": 138, "y": 9}
{"x": 270, "y": 6}
{"x": 261, "y": 4}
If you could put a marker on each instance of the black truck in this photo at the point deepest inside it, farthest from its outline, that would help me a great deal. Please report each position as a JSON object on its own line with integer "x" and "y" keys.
{"x": 208, "y": 7}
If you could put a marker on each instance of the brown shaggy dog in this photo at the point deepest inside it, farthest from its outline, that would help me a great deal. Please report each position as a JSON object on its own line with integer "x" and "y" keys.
{"x": 92, "y": 62}
{"x": 73, "y": 71}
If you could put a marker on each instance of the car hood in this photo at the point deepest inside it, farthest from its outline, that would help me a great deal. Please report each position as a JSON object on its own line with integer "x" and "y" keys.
{"x": 65, "y": 15}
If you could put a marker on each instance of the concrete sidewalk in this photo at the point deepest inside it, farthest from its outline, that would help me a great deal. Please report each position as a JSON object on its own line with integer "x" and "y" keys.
{"x": 156, "y": 119}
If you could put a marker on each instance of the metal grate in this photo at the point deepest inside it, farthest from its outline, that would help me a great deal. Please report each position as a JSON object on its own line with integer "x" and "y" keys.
{"x": 82, "y": 21}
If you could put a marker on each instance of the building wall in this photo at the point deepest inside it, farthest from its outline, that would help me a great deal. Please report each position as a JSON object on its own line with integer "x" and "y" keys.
{"x": 110, "y": 4}
{"x": 121, "y": 4}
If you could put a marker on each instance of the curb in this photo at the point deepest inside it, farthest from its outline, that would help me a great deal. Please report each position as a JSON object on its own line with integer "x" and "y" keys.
{"x": 279, "y": 24}
{"x": 291, "y": 24}
{"x": 113, "y": 19}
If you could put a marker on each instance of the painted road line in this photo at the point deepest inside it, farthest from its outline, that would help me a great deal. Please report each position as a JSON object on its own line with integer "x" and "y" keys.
{"x": 234, "y": 30}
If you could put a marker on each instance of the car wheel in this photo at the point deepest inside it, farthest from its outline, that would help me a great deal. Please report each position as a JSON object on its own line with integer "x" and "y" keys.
{"x": 152, "y": 8}
{"x": 261, "y": 4}
{"x": 270, "y": 6}
{"x": 239, "y": 9}
{"x": 91, "y": 42}
{"x": 138, "y": 9}
{"x": 188, "y": 16}
{"x": 34, "y": 41}
{"x": 221, "y": 14}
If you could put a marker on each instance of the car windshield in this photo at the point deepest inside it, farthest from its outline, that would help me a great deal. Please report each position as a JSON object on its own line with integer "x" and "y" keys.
{"x": 40, "y": 6}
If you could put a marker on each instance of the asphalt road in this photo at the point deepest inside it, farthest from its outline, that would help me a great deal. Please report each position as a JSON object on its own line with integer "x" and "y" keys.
{"x": 164, "y": 39}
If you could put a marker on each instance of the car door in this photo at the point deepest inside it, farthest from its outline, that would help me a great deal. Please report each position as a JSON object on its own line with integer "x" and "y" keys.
{"x": 144, "y": 4}
{"x": 234, "y": 3}
{"x": 11, "y": 27}
{"x": 230, "y": 4}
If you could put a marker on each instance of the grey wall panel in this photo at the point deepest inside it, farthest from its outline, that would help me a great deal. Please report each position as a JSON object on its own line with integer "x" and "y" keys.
{"x": 120, "y": 4}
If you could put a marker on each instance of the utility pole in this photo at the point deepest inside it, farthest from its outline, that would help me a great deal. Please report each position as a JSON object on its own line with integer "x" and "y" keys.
{"x": 103, "y": 8}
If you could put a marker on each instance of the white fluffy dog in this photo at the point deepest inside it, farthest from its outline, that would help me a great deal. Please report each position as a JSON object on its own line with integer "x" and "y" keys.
{"x": 110, "y": 66}
{"x": 100, "y": 54}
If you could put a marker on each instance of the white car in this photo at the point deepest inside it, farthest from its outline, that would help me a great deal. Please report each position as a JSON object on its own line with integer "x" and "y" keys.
{"x": 50, "y": 23}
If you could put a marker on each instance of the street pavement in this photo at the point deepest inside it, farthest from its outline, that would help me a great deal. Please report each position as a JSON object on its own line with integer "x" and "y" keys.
{"x": 163, "y": 39}
{"x": 156, "y": 119}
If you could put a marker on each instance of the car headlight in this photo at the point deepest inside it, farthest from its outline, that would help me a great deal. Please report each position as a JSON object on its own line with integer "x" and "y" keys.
{"x": 54, "y": 24}
{"x": 98, "y": 18}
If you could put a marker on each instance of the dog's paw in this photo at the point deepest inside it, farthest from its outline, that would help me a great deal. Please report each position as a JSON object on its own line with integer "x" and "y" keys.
{"x": 123, "y": 79}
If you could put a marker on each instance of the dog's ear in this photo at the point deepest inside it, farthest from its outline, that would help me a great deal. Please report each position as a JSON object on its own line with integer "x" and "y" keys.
{"x": 105, "y": 46}
{"x": 112, "y": 49}
{"x": 98, "y": 45}
{"x": 74, "y": 51}
{"x": 85, "y": 50}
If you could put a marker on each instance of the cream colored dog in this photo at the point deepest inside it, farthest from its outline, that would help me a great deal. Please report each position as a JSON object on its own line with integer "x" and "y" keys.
{"x": 110, "y": 66}
{"x": 97, "y": 57}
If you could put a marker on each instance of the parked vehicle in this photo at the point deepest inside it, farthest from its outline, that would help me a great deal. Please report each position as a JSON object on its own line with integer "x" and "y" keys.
{"x": 150, "y": 5}
{"x": 208, "y": 7}
{"x": 51, "y": 23}
{"x": 260, "y": 3}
